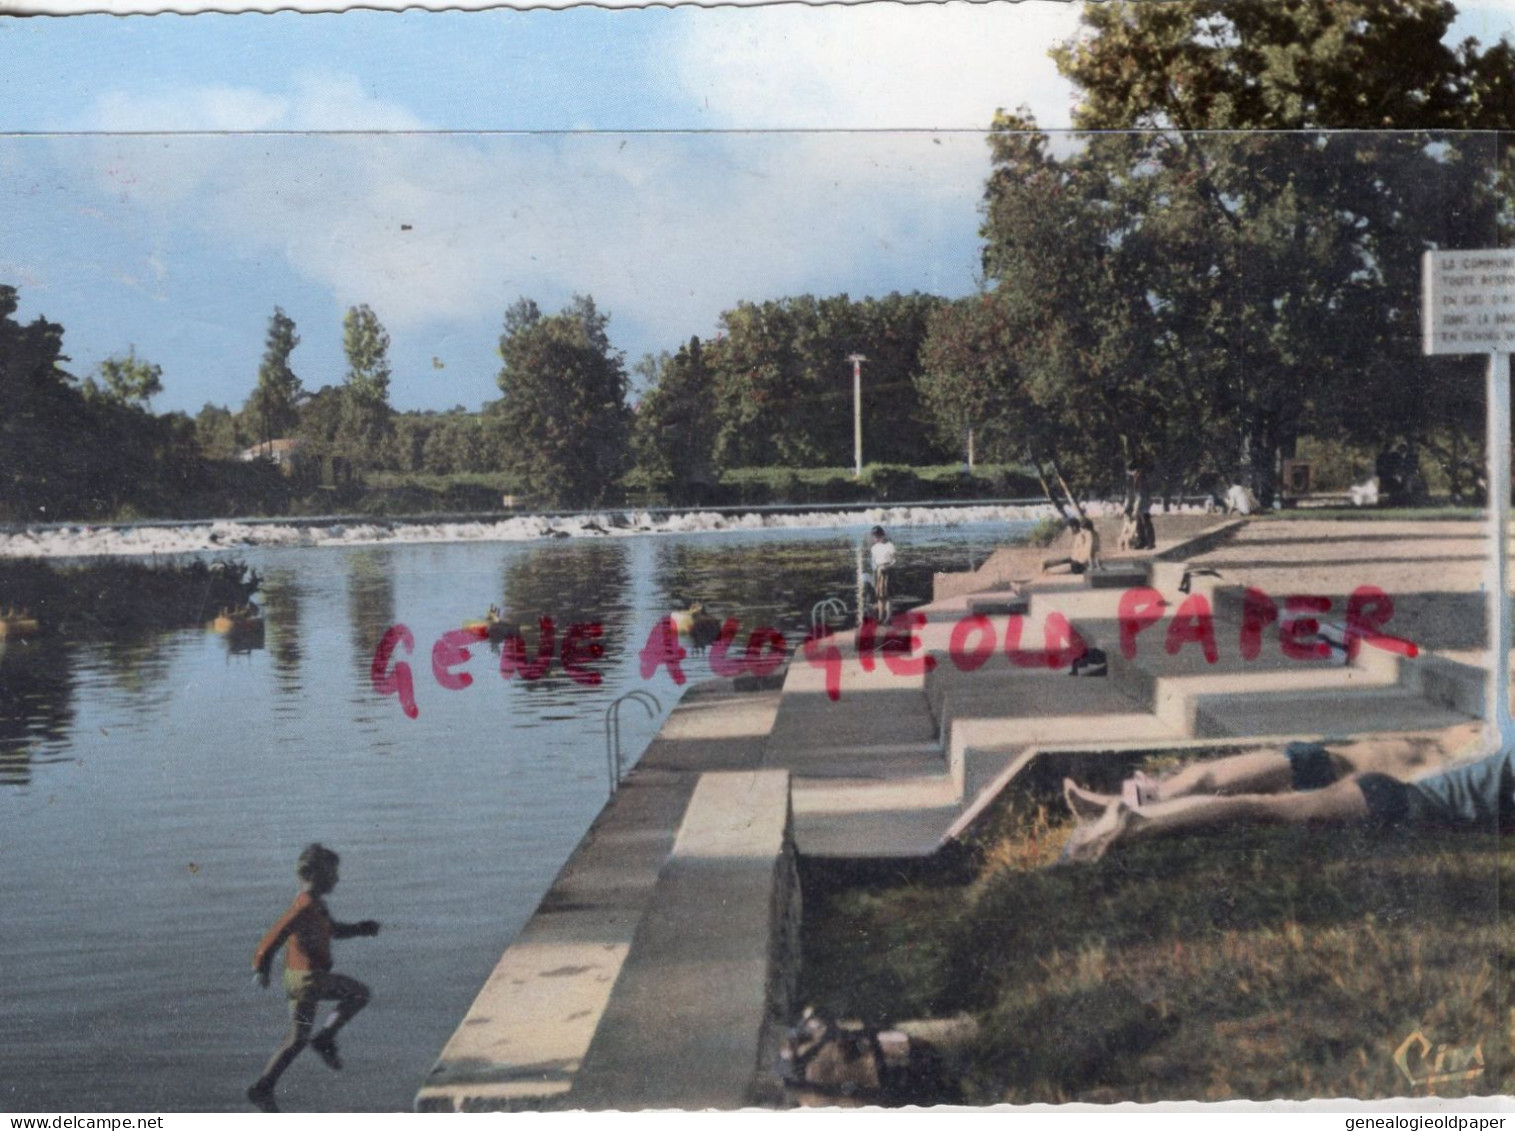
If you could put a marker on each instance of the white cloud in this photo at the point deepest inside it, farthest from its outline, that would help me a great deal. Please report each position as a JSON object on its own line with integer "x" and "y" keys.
{"x": 199, "y": 108}
{"x": 664, "y": 230}
{"x": 315, "y": 101}
{"x": 875, "y": 66}
{"x": 339, "y": 102}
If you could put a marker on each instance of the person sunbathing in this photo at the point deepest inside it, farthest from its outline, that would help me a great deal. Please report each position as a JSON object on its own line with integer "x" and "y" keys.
{"x": 1303, "y": 783}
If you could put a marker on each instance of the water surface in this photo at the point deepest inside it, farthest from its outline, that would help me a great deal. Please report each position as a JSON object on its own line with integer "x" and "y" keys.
{"x": 155, "y": 792}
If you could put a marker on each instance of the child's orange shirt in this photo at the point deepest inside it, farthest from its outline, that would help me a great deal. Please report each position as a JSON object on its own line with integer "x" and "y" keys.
{"x": 307, "y": 927}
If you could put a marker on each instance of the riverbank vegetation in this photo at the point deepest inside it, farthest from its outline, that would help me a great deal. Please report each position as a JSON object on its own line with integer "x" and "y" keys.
{"x": 112, "y": 597}
{"x": 1260, "y": 964}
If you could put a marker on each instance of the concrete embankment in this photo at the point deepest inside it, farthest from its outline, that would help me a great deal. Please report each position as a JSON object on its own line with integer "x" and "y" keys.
{"x": 657, "y": 970}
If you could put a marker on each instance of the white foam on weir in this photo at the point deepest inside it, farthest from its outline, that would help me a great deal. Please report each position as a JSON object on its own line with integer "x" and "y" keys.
{"x": 229, "y": 534}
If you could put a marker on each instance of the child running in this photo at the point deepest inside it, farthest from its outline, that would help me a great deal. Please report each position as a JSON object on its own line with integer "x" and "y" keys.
{"x": 308, "y": 928}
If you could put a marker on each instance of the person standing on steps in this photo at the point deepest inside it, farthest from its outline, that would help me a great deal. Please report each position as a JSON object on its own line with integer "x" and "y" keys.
{"x": 881, "y": 554}
{"x": 306, "y": 931}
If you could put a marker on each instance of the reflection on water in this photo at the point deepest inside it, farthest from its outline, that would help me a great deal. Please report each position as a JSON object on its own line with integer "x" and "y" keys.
{"x": 568, "y": 582}
{"x": 370, "y": 602}
{"x": 587, "y": 583}
{"x": 138, "y": 663}
{"x": 36, "y": 703}
{"x": 158, "y": 790}
{"x": 280, "y": 596}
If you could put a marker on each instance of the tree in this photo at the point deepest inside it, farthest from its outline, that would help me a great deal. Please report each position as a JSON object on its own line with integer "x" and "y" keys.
{"x": 216, "y": 433}
{"x": 130, "y": 380}
{"x": 1291, "y": 275}
{"x": 37, "y": 473}
{"x": 273, "y": 406}
{"x": 1283, "y": 65}
{"x": 1177, "y": 296}
{"x": 783, "y": 388}
{"x": 1074, "y": 318}
{"x": 675, "y": 430}
{"x": 968, "y": 381}
{"x": 68, "y": 453}
{"x": 365, "y": 342}
{"x": 366, "y": 418}
{"x": 564, "y": 406}
{"x": 891, "y": 332}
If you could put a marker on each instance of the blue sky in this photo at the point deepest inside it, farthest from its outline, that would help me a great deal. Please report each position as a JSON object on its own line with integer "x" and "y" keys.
{"x": 182, "y": 245}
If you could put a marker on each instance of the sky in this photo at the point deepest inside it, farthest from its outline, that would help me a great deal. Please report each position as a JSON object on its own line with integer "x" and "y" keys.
{"x": 163, "y": 190}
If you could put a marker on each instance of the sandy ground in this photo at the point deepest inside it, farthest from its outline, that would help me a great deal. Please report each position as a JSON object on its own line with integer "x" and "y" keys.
{"x": 1014, "y": 564}
{"x": 1432, "y": 570}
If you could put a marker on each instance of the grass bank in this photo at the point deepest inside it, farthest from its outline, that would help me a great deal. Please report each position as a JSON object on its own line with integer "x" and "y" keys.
{"x": 396, "y": 493}
{"x": 1447, "y": 513}
{"x": 1261, "y": 964}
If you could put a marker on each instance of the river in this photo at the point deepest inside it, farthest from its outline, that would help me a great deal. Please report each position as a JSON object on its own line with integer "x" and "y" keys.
{"x": 154, "y": 794}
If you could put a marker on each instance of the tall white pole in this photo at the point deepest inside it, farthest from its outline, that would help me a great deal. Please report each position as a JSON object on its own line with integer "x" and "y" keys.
{"x": 857, "y": 360}
{"x": 1497, "y": 579}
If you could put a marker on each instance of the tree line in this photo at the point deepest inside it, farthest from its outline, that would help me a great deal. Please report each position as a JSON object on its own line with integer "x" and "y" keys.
{"x": 1160, "y": 292}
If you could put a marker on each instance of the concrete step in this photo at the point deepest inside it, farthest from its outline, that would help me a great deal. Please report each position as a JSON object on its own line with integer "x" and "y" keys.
{"x": 992, "y": 602}
{"x": 1447, "y": 683}
{"x": 998, "y": 604}
{"x": 721, "y": 928}
{"x": 870, "y": 764}
{"x": 818, "y": 729}
{"x": 987, "y": 681}
{"x": 1178, "y": 700}
{"x": 983, "y": 766}
{"x": 1000, "y": 734}
{"x": 1054, "y": 702}
{"x": 1119, "y": 575}
{"x": 879, "y": 726}
{"x": 1328, "y": 713}
{"x": 866, "y": 795}
{"x": 892, "y": 834}
{"x": 524, "y": 1038}
{"x": 1138, "y": 676}
{"x": 1083, "y": 604}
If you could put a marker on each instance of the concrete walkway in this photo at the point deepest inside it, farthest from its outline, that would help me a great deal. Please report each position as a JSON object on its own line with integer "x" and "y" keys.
{"x": 527, "y": 1035}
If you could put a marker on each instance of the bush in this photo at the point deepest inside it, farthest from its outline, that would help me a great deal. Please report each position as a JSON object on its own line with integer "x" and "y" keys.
{"x": 1337, "y": 465}
{"x": 892, "y": 483}
{"x": 1046, "y": 531}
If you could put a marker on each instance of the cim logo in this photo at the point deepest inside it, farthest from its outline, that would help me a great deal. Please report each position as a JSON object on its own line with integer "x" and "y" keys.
{"x": 1426, "y": 1065}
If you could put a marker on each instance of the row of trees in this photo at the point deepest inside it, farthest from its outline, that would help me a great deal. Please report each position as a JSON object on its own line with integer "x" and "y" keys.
{"x": 771, "y": 389}
{"x": 91, "y": 449}
{"x": 351, "y": 424}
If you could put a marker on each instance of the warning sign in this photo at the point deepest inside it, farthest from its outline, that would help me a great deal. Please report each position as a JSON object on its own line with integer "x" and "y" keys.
{"x": 1468, "y": 301}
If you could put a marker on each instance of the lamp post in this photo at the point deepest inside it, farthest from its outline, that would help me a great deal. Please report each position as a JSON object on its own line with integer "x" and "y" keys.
{"x": 857, "y": 360}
